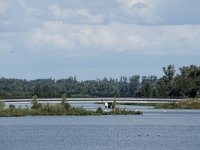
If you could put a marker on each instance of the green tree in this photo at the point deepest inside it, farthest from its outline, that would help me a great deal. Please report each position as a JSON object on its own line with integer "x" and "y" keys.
{"x": 134, "y": 84}
{"x": 38, "y": 90}
{"x": 169, "y": 72}
{"x": 188, "y": 82}
{"x": 146, "y": 90}
{"x": 165, "y": 85}
{"x": 35, "y": 104}
{"x": 64, "y": 103}
{"x": 147, "y": 87}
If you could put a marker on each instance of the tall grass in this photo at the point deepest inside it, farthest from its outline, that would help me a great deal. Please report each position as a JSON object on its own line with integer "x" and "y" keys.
{"x": 184, "y": 104}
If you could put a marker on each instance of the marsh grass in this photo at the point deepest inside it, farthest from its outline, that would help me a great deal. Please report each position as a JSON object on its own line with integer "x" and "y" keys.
{"x": 184, "y": 104}
{"x": 59, "y": 110}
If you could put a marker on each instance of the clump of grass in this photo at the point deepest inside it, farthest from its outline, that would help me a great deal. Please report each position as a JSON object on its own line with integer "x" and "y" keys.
{"x": 99, "y": 110}
{"x": 2, "y": 105}
{"x": 184, "y": 104}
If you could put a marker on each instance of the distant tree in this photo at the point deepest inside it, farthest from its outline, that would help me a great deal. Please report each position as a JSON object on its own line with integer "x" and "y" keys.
{"x": 165, "y": 85}
{"x": 123, "y": 86}
{"x": 169, "y": 72}
{"x": 134, "y": 84}
{"x": 146, "y": 90}
{"x": 188, "y": 82}
{"x": 162, "y": 88}
{"x": 147, "y": 87}
{"x": 38, "y": 90}
{"x": 35, "y": 104}
{"x": 64, "y": 103}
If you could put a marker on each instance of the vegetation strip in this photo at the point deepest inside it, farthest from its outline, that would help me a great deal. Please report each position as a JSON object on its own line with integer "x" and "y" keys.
{"x": 185, "y": 104}
{"x": 64, "y": 108}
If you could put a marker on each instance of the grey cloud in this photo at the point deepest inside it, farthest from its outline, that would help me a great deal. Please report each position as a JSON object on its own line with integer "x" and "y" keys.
{"x": 159, "y": 12}
{"x": 140, "y": 5}
{"x": 24, "y": 14}
{"x": 78, "y": 16}
{"x": 102, "y": 28}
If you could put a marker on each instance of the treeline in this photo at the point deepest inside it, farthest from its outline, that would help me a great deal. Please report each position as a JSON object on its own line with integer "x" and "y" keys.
{"x": 184, "y": 84}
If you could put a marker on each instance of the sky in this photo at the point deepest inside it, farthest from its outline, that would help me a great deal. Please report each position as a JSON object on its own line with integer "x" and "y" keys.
{"x": 92, "y": 39}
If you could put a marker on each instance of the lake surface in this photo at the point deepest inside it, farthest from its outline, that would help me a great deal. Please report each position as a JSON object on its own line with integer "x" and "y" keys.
{"x": 155, "y": 130}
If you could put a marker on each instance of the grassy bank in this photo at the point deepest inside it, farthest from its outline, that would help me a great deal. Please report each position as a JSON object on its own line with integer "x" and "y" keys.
{"x": 185, "y": 104}
{"x": 51, "y": 110}
{"x": 62, "y": 109}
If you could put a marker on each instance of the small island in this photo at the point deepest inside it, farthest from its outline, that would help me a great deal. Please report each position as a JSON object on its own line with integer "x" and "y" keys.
{"x": 60, "y": 109}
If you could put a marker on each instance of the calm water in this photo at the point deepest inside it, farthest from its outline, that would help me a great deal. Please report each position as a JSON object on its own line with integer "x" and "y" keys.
{"x": 156, "y": 129}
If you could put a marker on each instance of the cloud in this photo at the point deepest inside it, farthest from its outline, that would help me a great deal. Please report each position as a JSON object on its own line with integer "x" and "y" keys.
{"x": 40, "y": 35}
{"x": 139, "y": 11}
{"x": 26, "y": 7}
{"x": 74, "y": 15}
{"x": 140, "y": 27}
{"x": 140, "y": 5}
{"x": 117, "y": 38}
{"x": 72, "y": 39}
{"x": 134, "y": 3}
{"x": 4, "y": 7}
{"x": 157, "y": 12}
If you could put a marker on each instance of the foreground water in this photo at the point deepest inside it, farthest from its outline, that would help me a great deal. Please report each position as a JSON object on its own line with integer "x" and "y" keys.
{"x": 156, "y": 129}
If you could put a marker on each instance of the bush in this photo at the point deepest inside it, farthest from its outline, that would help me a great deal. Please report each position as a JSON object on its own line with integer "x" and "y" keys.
{"x": 99, "y": 110}
{"x": 11, "y": 106}
{"x": 2, "y": 105}
{"x": 64, "y": 103}
{"x": 35, "y": 104}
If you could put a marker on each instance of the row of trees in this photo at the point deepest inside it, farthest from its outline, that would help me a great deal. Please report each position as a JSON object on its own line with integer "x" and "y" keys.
{"x": 184, "y": 84}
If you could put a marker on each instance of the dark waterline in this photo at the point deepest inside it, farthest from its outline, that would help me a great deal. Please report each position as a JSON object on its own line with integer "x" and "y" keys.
{"x": 174, "y": 129}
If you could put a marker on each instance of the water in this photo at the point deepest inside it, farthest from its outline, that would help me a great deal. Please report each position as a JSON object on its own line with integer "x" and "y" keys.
{"x": 156, "y": 129}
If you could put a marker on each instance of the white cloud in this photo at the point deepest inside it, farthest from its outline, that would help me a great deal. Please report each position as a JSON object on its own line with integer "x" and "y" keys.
{"x": 80, "y": 30}
{"x": 117, "y": 37}
{"x": 38, "y": 35}
{"x": 4, "y": 7}
{"x": 134, "y": 3}
{"x": 26, "y": 7}
{"x": 51, "y": 33}
{"x": 82, "y": 15}
{"x": 69, "y": 37}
